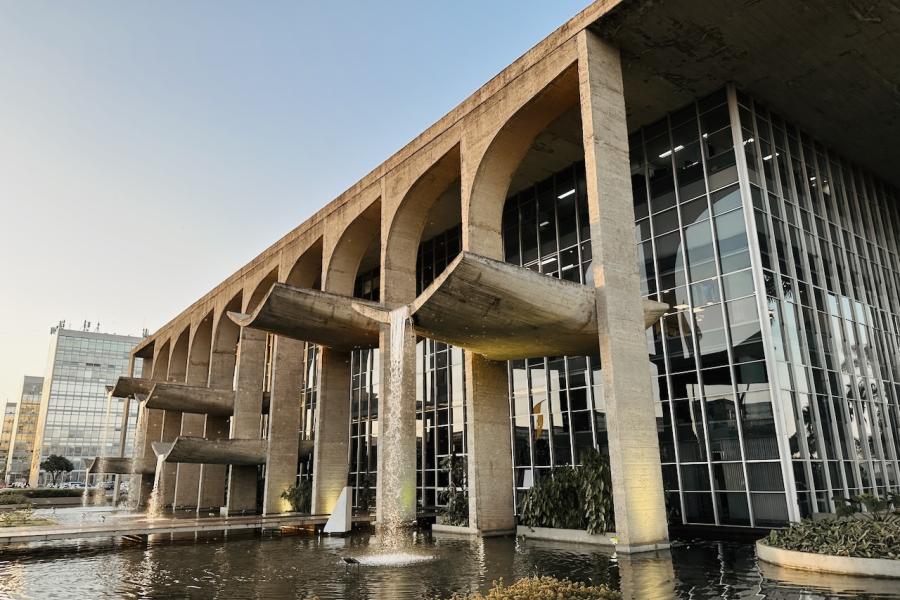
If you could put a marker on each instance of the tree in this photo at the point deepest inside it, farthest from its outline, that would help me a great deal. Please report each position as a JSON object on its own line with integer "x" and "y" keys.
{"x": 56, "y": 464}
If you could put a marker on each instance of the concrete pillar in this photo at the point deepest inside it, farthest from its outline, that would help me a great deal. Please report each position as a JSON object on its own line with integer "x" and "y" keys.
{"x": 631, "y": 418}
{"x": 123, "y": 434}
{"x": 187, "y": 480}
{"x": 211, "y": 494}
{"x": 490, "y": 469}
{"x": 330, "y": 453}
{"x": 395, "y": 493}
{"x": 284, "y": 423}
{"x": 245, "y": 424}
{"x": 149, "y": 429}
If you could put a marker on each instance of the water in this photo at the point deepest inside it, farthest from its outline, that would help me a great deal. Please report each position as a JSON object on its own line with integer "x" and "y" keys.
{"x": 393, "y": 526}
{"x": 155, "y": 504}
{"x": 304, "y": 567}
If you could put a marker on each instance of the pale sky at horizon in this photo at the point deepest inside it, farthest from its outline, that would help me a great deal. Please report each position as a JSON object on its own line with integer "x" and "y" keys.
{"x": 148, "y": 150}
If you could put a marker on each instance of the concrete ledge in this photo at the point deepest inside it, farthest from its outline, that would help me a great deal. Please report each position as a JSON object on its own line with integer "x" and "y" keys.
{"x": 59, "y": 501}
{"x": 454, "y": 529}
{"x": 825, "y": 563}
{"x": 575, "y": 536}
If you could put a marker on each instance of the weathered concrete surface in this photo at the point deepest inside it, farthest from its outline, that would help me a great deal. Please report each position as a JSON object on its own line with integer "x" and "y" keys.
{"x": 572, "y": 536}
{"x": 197, "y": 450}
{"x": 490, "y": 469}
{"x": 284, "y": 423}
{"x": 630, "y": 406}
{"x": 191, "y": 398}
{"x": 313, "y": 316}
{"x": 505, "y": 312}
{"x": 824, "y": 563}
{"x": 111, "y": 465}
{"x": 127, "y": 387}
{"x": 330, "y": 466}
{"x": 246, "y": 422}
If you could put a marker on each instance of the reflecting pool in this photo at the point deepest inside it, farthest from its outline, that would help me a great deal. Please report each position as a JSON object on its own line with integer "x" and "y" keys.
{"x": 304, "y": 566}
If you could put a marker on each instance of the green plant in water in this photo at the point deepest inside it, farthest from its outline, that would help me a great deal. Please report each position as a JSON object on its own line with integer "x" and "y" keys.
{"x": 8, "y": 498}
{"x": 877, "y": 508}
{"x": 299, "y": 495}
{"x": 573, "y": 497}
{"x": 455, "y": 510}
{"x": 16, "y": 518}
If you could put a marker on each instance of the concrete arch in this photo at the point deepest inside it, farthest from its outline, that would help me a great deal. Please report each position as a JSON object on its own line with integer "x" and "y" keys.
{"x": 262, "y": 288}
{"x": 161, "y": 362}
{"x": 224, "y": 345}
{"x": 404, "y": 232}
{"x": 179, "y": 357}
{"x": 483, "y": 206}
{"x": 199, "y": 351}
{"x": 306, "y": 272}
{"x": 353, "y": 244}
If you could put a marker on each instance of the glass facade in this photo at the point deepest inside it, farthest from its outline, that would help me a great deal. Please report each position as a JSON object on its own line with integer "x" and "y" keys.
{"x": 73, "y": 419}
{"x": 776, "y": 370}
{"x": 6, "y": 432}
{"x": 21, "y": 447}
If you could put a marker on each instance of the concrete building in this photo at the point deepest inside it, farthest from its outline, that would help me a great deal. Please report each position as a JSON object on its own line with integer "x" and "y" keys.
{"x": 76, "y": 413}
{"x": 6, "y": 432}
{"x": 668, "y": 231}
{"x": 21, "y": 445}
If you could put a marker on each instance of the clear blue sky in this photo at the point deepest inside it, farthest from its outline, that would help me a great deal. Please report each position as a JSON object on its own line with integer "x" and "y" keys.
{"x": 148, "y": 150}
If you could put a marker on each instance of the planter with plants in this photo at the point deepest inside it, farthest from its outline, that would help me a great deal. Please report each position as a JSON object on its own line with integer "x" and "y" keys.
{"x": 453, "y": 515}
{"x": 299, "y": 496}
{"x": 864, "y": 539}
{"x": 572, "y": 504}
{"x": 540, "y": 588}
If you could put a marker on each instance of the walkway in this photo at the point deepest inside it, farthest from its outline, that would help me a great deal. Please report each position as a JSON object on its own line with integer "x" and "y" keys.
{"x": 142, "y": 526}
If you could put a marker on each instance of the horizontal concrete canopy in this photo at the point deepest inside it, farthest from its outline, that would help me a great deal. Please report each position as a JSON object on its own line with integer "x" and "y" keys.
{"x": 506, "y": 312}
{"x": 191, "y": 398}
{"x": 312, "y": 316}
{"x": 108, "y": 465}
{"x": 127, "y": 387}
{"x": 212, "y": 452}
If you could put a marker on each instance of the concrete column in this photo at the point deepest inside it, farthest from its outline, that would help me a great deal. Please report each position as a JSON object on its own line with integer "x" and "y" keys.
{"x": 212, "y": 477}
{"x": 171, "y": 428}
{"x": 330, "y": 453}
{"x": 395, "y": 493}
{"x": 187, "y": 480}
{"x": 631, "y": 418}
{"x": 490, "y": 469}
{"x": 284, "y": 423}
{"x": 123, "y": 434}
{"x": 245, "y": 423}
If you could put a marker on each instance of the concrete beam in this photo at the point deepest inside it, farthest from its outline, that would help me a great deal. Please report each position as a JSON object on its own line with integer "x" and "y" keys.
{"x": 127, "y": 387}
{"x": 191, "y": 399}
{"x": 197, "y": 450}
{"x": 505, "y": 312}
{"x": 313, "y": 316}
{"x": 115, "y": 465}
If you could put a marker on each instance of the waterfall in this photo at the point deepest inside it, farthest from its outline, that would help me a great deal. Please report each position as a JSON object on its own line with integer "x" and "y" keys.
{"x": 392, "y": 523}
{"x": 155, "y": 503}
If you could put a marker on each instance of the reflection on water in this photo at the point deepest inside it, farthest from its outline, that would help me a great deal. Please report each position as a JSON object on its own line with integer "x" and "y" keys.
{"x": 304, "y": 567}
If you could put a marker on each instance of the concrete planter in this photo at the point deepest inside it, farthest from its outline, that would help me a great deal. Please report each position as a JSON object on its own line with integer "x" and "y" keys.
{"x": 453, "y": 529}
{"x": 824, "y": 563}
{"x": 577, "y": 536}
{"x": 59, "y": 501}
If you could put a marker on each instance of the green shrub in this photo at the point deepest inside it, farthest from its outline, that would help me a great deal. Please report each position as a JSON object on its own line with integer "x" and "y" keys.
{"x": 534, "y": 588}
{"x": 859, "y": 537}
{"x": 456, "y": 501}
{"x": 8, "y": 499}
{"x": 16, "y": 518}
{"x": 299, "y": 495}
{"x": 573, "y": 498}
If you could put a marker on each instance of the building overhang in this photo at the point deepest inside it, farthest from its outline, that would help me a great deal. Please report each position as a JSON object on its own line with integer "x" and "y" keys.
{"x": 191, "y": 398}
{"x": 127, "y": 387}
{"x": 199, "y": 450}
{"x": 831, "y": 68}
{"x": 108, "y": 465}
{"x": 312, "y": 316}
{"x": 506, "y": 312}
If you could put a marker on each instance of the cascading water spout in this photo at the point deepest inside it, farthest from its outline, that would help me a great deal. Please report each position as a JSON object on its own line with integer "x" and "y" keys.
{"x": 392, "y": 524}
{"x": 155, "y": 503}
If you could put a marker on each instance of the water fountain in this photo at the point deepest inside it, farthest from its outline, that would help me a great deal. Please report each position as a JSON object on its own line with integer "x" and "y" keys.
{"x": 395, "y": 535}
{"x": 155, "y": 506}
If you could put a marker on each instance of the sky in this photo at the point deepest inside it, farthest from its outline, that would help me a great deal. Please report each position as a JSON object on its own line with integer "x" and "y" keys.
{"x": 150, "y": 149}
